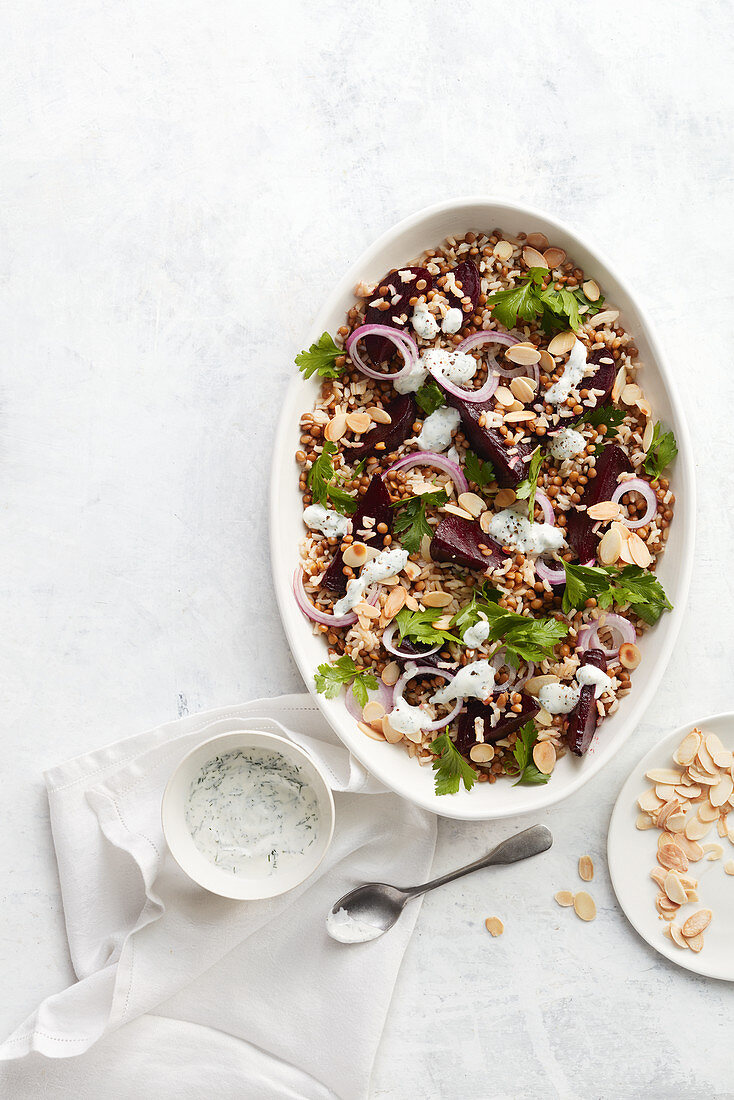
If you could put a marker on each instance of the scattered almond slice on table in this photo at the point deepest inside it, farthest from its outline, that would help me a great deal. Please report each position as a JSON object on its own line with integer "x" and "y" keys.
{"x": 494, "y": 926}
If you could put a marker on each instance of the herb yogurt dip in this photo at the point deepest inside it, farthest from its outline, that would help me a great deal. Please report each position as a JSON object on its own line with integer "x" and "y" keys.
{"x": 252, "y": 812}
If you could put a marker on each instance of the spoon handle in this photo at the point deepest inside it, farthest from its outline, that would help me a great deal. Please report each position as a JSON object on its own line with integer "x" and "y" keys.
{"x": 530, "y": 842}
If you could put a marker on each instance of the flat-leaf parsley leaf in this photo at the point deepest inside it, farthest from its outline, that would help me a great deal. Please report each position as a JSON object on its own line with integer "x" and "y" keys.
{"x": 661, "y": 453}
{"x": 320, "y": 478}
{"x": 478, "y": 470}
{"x": 430, "y": 397}
{"x": 450, "y": 767}
{"x": 527, "y": 773}
{"x": 331, "y": 678}
{"x": 321, "y": 358}
{"x": 607, "y": 585}
{"x": 411, "y": 523}
{"x": 528, "y": 487}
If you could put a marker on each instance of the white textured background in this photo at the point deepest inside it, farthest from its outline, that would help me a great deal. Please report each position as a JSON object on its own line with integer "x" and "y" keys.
{"x": 181, "y": 183}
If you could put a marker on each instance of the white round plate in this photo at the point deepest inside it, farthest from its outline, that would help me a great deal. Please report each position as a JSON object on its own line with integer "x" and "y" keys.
{"x": 390, "y": 763}
{"x": 632, "y": 853}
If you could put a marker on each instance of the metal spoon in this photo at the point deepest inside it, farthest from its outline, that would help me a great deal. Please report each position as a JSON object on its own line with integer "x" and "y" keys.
{"x": 377, "y": 906}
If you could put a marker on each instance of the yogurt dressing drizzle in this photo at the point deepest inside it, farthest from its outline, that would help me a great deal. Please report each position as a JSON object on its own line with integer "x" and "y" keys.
{"x": 251, "y": 812}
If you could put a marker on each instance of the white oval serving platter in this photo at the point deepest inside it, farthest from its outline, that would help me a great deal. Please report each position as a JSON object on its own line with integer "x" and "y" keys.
{"x": 389, "y": 763}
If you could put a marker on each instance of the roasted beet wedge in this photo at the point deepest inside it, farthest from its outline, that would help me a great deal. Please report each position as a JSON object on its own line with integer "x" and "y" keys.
{"x": 603, "y": 379}
{"x": 466, "y": 273}
{"x": 375, "y": 504}
{"x": 509, "y": 469}
{"x": 583, "y": 718}
{"x": 402, "y": 410}
{"x": 458, "y": 540}
{"x": 408, "y": 646}
{"x": 612, "y": 462}
{"x": 377, "y": 347}
{"x": 508, "y": 723}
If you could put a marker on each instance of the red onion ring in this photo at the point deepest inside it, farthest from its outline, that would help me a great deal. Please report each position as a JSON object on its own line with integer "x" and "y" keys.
{"x": 312, "y": 612}
{"x": 546, "y": 573}
{"x": 498, "y": 662}
{"x": 430, "y": 458}
{"x": 637, "y": 485}
{"x": 548, "y": 513}
{"x": 427, "y": 670}
{"x": 588, "y": 638}
{"x": 486, "y": 336}
{"x": 472, "y": 396}
{"x": 517, "y": 370}
{"x": 387, "y": 637}
{"x": 403, "y": 342}
{"x": 382, "y": 694}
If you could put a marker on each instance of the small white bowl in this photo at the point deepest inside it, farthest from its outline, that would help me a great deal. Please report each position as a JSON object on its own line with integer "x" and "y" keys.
{"x": 195, "y": 864}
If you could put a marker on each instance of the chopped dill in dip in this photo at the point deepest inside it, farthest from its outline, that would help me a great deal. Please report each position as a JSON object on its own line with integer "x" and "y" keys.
{"x": 252, "y": 811}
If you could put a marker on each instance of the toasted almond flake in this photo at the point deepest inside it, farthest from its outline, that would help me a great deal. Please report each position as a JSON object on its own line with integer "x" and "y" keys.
{"x": 707, "y": 812}
{"x": 443, "y": 622}
{"x": 696, "y": 829}
{"x": 676, "y": 823}
{"x": 647, "y": 435}
{"x": 525, "y": 355}
{"x": 674, "y": 889}
{"x": 455, "y": 511}
{"x": 672, "y": 806}
{"x": 697, "y": 923}
{"x": 686, "y": 752}
{"x": 535, "y": 683}
{"x": 494, "y": 926}
{"x": 355, "y": 555}
{"x": 610, "y": 547}
{"x": 713, "y": 851}
{"x": 663, "y": 775}
{"x": 691, "y": 848}
{"x": 631, "y": 394}
{"x": 729, "y": 867}
{"x": 705, "y": 760}
{"x": 391, "y": 672}
{"x": 629, "y": 655}
{"x": 677, "y": 936}
{"x": 584, "y": 906}
{"x": 503, "y": 250}
{"x": 367, "y": 611}
{"x": 586, "y": 868}
{"x": 622, "y": 530}
{"x": 605, "y": 510}
{"x": 649, "y": 800}
{"x": 638, "y": 551}
{"x": 591, "y": 290}
{"x": 606, "y": 317}
{"x": 544, "y": 757}
{"x": 724, "y": 759}
{"x": 505, "y": 497}
{"x": 368, "y": 731}
{"x": 504, "y": 396}
{"x": 336, "y": 428}
{"x": 664, "y": 791}
{"x": 533, "y": 258}
{"x": 547, "y": 362}
{"x": 728, "y": 830}
{"x": 695, "y": 942}
{"x": 537, "y": 240}
{"x": 359, "y": 422}
{"x": 663, "y": 904}
{"x": 644, "y": 406}
{"x": 373, "y": 711}
{"x": 643, "y": 822}
{"x": 672, "y": 857}
{"x": 658, "y": 875}
{"x": 564, "y": 898}
{"x": 543, "y": 718}
{"x": 713, "y": 744}
{"x": 481, "y": 754}
{"x": 703, "y": 777}
{"x": 436, "y": 599}
{"x": 523, "y": 417}
{"x": 619, "y": 383}
{"x": 394, "y": 602}
{"x": 380, "y": 416}
{"x": 562, "y": 343}
{"x": 554, "y": 257}
{"x": 523, "y": 389}
{"x": 472, "y": 503}
{"x": 720, "y": 793}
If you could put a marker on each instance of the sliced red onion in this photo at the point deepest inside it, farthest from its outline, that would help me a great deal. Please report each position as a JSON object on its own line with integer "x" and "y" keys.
{"x": 473, "y": 396}
{"x": 387, "y": 638}
{"x": 313, "y": 612}
{"x": 486, "y": 336}
{"x": 381, "y": 694}
{"x": 440, "y": 462}
{"x": 637, "y": 485}
{"x": 427, "y": 670}
{"x": 498, "y": 662}
{"x": 517, "y": 370}
{"x": 546, "y": 573}
{"x": 588, "y": 637}
{"x": 548, "y": 513}
{"x": 403, "y": 341}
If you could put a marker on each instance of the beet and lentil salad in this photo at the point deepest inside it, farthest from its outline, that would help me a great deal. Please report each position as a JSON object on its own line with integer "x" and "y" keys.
{"x": 483, "y": 488}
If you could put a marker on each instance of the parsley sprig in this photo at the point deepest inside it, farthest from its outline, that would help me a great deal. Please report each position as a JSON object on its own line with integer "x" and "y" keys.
{"x": 661, "y": 453}
{"x": 430, "y": 397}
{"x": 418, "y": 626}
{"x": 411, "y": 523}
{"x": 450, "y": 767}
{"x": 602, "y": 414}
{"x": 557, "y": 308}
{"x": 522, "y": 637}
{"x": 478, "y": 470}
{"x": 527, "y": 773}
{"x": 321, "y": 483}
{"x": 320, "y": 358}
{"x": 528, "y": 487}
{"x": 608, "y": 585}
{"x": 331, "y": 678}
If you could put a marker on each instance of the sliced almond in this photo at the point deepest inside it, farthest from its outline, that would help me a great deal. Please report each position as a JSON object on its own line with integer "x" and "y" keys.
{"x": 675, "y": 889}
{"x": 368, "y": 731}
{"x": 436, "y": 599}
{"x": 591, "y": 290}
{"x": 672, "y": 806}
{"x": 562, "y": 343}
{"x": 629, "y": 655}
{"x": 695, "y": 942}
{"x": 713, "y": 744}
{"x": 355, "y": 555}
{"x": 391, "y": 734}
{"x": 672, "y": 857}
{"x": 663, "y": 775}
{"x": 696, "y": 829}
{"x": 456, "y": 511}
{"x": 605, "y": 510}
{"x": 564, "y": 898}
{"x": 535, "y": 683}
{"x": 503, "y": 250}
{"x": 543, "y": 718}
{"x": 649, "y": 800}
{"x": 547, "y": 362}
{"x": 586, "y": 868}
{"x": 638, "y": 551}
{"x": 472, "y": 503}
{"x": 533, "y": 258}
{"x": 537, "y": 240}
{"x": 724, "y": 759}
{"x": 544, "y": 757}
{"x": 676, "y": 823}
{"x": 380, "y": 416}
{"x": 647, "y": 436}
{"x": 391, "y": 671}
{"x": 619, "y": 383}
{"x": 554, "y": 257}
{"x": 686, "y": 751}
{"x": 481, "y": 754}
{"x": 707, "y": 812}
{"x": 697, "y": 923}
{"x": 658, "y": 875}
{"x": 336, "y": 428}
{"x": 606, "y": 317}
{"x": 713, "y": 851}
{"x": 504, "y": 396}
{"x": 494, "y": 926}
{"x": 705, "y": 760}
{"x": 610, "y": 547}
{"x": 525, "y": 355}
{"x": 721, "y": 792}
{"x": 359, "y": 422}
{"x": 677, "y": 936}
{"x": 644, "y": 821}
{"x": 523, "y": 416}
{"x": 485, "y": 520}
{"x": 373, "y": 711}
{"x": 584, "y": 906}
{"x": 690, "y": 848}
{"x": 523, "y": 389}
{"x": 729, "y": 867}
{"x": 505, "y": 497}
{"x": 394, "y": 603}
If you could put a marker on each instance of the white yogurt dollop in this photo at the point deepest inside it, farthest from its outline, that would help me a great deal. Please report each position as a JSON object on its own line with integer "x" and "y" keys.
{"x": 325, "y": 520}
{"x": 567, "y": 444}
{"x": 475, "y": 681}
{"x": 558, "y": 698}
{"x": 407, "y": 719}
{"x": 341, "y": 926}
{"x": 476, "y": 635}
{"x": 573, "y": 373}
{"x": 456, "y": 366}
{"x": 438, "y": 429}
{"x": 424, "y": 323}
{"x": 590, "y": 674}
{"x": 453, "y": 321}
{"x": 251, "y": 812}
{"x": 387, "y": 564}
{"x": 512, "y": 528}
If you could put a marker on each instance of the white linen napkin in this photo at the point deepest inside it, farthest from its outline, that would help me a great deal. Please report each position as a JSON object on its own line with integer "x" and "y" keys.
{"x": 247, "y": 999}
